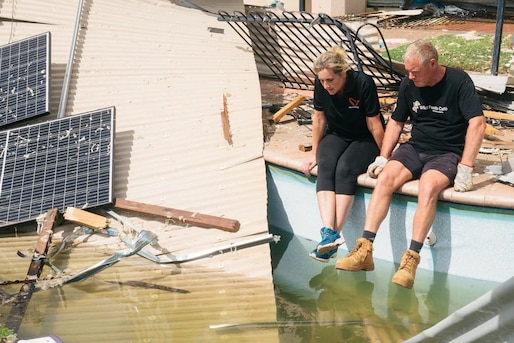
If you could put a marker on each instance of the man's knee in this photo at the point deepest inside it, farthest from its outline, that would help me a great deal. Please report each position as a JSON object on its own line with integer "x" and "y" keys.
{"x": 433, "y": 182}
{"x": 393, "y": 176}
{"x": 429, "y": 189}
{"x": 386, "y": 181}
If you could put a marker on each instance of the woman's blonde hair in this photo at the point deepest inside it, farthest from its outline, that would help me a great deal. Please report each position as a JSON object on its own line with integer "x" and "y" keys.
{"x": 334, "y": 59}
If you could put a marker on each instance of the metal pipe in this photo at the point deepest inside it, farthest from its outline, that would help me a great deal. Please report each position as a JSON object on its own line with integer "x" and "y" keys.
{"x": 302, "y": 5}
{"x": 498, "y": 37}
{"x": 472, "y": 320}
{"x": 216, "y": 250}
{"x": 69, "y": 66}
{"x": 229, "y": 247}
{"x": 284, "y": 324}
{"x": 143, "y": 239}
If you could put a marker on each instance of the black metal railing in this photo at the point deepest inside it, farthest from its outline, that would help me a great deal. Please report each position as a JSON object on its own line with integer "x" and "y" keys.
{"x": 285, "y": 46}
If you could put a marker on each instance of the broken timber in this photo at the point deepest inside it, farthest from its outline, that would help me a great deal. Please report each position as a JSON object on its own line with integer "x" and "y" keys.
{"x": 192, "y": 218}
{"x": 288, "y": 108}
{"x": 91, "y": 220}
{"x": 305, "y": 147}
{"x": 21, "y": 302}
{"x": 498, "y": 115}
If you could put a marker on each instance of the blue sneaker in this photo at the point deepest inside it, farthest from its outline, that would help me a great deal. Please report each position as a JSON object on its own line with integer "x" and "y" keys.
{"x": 323, "y": 258}
{"x": 330, "y": 240}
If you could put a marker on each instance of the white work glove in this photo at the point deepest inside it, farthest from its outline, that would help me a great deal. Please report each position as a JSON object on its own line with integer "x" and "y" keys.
{"x": 376, "y": 167}
{"x": 463, "y": 182}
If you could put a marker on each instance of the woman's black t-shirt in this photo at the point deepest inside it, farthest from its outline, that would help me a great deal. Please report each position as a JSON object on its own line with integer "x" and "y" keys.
{"x": 346, "y": 113}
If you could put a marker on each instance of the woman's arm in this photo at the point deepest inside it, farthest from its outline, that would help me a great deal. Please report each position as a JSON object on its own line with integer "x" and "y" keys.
{"x": 319, "y": 123}
{"x": 375, "y": 127}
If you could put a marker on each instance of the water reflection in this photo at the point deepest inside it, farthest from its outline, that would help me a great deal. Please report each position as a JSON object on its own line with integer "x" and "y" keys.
{"x": 437, "y": 299}
{"x": 138, "y": 300}
{"x": 346, "y": 309}
{"x": 344, "y": 302}
{"x": 346, "y": 306}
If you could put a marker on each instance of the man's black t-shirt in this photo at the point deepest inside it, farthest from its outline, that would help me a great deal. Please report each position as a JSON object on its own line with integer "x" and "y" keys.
{"x": 439, "y": 114}
{"x": 346, "y": 113}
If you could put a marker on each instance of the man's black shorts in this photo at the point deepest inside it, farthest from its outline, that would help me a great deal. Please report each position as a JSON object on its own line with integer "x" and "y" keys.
{"x": 419, "y": 162}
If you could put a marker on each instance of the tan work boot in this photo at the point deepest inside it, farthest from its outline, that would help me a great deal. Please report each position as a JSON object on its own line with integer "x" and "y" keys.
{"x": 360, "y": 258}
{"x": 407, "y": 271}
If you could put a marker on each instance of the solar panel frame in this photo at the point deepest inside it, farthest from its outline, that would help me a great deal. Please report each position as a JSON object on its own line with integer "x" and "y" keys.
{"x": 25, "y": 79}
{"x": 62, "y": 163}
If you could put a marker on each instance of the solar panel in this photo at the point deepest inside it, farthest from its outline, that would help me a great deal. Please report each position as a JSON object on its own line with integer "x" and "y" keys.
{"x": 56, "y": 164}
{"x": 24, "y": 84}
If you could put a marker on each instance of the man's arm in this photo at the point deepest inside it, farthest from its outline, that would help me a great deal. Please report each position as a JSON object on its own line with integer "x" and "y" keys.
{"x": 474, "y": 137}
{"x": 392, "y": 134}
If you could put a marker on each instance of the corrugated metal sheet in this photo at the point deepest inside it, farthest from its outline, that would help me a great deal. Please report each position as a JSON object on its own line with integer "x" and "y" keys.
{"x": 136, "y": 300}
{"x": 170, "y": 76}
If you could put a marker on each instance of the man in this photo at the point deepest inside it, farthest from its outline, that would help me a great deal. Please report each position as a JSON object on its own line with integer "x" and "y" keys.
{"x": 447, "y": 130}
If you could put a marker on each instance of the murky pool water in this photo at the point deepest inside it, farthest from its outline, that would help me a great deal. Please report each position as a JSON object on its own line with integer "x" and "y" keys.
{"x": 139, "y": 301}
{"x": 136, "y": 300}
{"x": 318, "y": 303}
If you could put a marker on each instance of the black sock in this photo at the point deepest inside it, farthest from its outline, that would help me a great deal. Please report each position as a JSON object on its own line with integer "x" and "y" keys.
{"x": 370, "y": 236}
{"x": 415, "y": 246}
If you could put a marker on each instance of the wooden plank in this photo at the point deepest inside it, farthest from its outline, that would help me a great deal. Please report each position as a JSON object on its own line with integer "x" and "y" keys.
{"x": 288, "y": 108}
{"x": 388, "y": 14}
{"x": 498, "y": 115}
{"x": 81, "y": 217}
{"x": 305, "y": 147}
{"x": 498, "y": 144}
{"x": 491, "y": 130}
{"x": 187, "y": 217}
{"x": 22, "y": 299}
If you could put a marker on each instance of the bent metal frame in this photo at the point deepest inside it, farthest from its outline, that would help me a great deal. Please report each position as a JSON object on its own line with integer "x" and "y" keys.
{"x": 285, "y": 46}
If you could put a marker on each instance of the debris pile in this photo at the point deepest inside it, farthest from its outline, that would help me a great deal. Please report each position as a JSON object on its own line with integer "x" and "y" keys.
{"x": 121, "y": 238}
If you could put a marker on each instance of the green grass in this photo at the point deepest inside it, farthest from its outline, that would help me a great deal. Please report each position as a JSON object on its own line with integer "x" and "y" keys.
{"x": 474, "y": 55}
{"x": 5, "y": 332}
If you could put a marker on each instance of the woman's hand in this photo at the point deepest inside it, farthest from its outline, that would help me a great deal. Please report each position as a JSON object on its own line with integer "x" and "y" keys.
{"x": 308, "y": 165}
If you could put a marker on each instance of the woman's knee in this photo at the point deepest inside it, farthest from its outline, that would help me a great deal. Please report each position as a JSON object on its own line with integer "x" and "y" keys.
{"x": 348, "y": 188}
{"x": 346, "y": 172}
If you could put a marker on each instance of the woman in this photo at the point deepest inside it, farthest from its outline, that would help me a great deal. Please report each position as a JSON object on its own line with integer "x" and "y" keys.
{"x": 347, "y": 132}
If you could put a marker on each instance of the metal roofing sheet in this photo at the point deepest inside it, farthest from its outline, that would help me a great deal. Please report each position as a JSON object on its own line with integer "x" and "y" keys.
{"x": 188, "y": 135}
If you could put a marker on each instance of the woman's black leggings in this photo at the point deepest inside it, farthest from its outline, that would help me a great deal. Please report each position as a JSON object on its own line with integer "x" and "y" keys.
{"x": 341, "y": 161}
